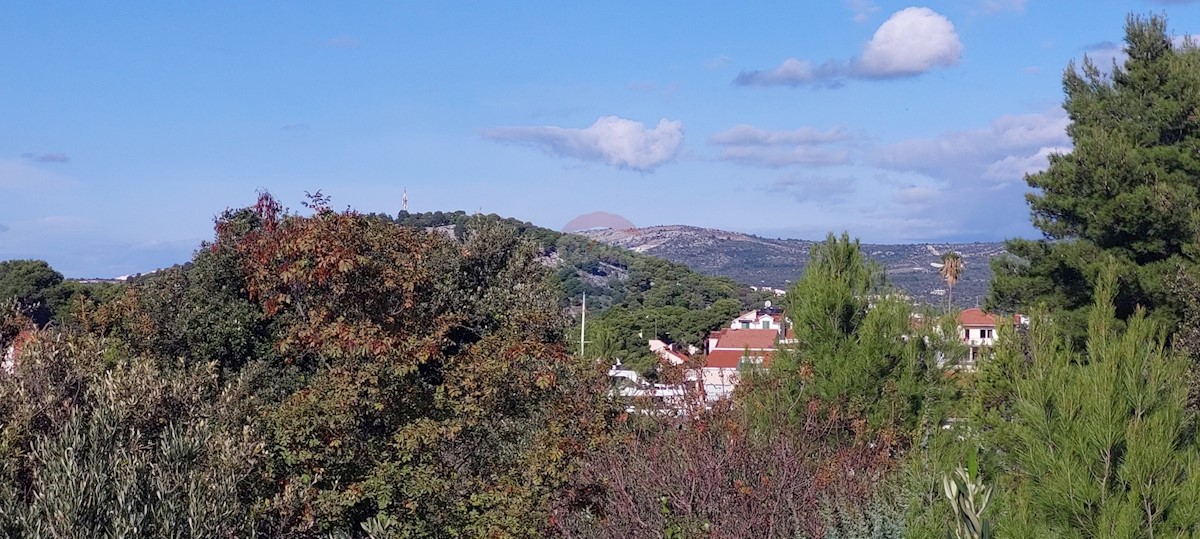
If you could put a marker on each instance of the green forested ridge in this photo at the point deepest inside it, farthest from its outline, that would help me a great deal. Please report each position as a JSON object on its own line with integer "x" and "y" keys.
{"x": 631, "y": 297}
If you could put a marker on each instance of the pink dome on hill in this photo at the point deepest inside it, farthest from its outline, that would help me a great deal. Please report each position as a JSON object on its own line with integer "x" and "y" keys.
{"x": 597, "y": 219}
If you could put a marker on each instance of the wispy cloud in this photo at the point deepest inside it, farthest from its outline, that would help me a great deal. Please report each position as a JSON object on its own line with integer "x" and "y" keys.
{"x": 813, "y": 188}
{"x": 717, "y": 62}
{"x": 992, "y": 7}
{"x": 749, "y": 145}
{"x": 52, "y": 157}
{"x": 862, "y": 9}
{"x": 613, "y": 140}
{"x": 911, "y": 42}
{"x": 341, "y": 42}
{"x": 20, "y": 174}
{"x": 998, "y": 154}
{"x": 65, "y": 222}
{"x": 744, "y": 134}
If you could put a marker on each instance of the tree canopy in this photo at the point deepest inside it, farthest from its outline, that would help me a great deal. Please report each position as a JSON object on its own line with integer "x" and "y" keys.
{"x": 1127, "y": 192}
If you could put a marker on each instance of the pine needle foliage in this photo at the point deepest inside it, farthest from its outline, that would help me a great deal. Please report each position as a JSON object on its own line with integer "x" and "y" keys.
{"x": 1098, "y": 443}
{"x": 859, "y": 351}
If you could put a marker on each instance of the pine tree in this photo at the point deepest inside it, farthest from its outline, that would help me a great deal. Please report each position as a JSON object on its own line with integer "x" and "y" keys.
{"x": 857, "y": 351}
{"x": 1097, "y": 443}
{"x": 1127, "y": 191}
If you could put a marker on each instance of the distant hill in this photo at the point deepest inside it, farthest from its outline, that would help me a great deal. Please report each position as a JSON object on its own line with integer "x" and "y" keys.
{"x": 777, "y": 263}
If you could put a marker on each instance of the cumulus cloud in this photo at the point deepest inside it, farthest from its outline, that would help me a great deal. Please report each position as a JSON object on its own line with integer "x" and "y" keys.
{"x": 749, "y": 145}
{"x": 912, "y": 41}
{"x": 1011, "y": 147}
{"x": 617, "y": 141}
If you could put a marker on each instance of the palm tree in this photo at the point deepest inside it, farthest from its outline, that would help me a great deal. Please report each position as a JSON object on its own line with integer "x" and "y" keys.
{"x": 951, "y": 269}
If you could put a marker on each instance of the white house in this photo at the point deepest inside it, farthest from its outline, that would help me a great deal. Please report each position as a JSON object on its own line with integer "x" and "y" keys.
{"x": 978, "y": 331}
{"x": 759, "y": 319}
{"x": 729, "y": 350}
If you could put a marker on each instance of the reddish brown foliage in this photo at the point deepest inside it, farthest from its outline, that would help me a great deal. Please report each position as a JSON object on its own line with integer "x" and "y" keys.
{"x": 716, "y": 478}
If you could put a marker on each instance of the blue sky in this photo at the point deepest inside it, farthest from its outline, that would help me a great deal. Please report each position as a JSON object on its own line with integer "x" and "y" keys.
{"x": 128, "y": 126}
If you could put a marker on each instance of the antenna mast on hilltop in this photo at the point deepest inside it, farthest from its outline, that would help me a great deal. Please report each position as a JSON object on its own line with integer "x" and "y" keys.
{"x": 404, "y": 200}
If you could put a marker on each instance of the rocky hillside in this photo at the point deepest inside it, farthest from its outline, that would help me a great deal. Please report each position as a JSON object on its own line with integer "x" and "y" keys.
{"x": 777, "y": 262}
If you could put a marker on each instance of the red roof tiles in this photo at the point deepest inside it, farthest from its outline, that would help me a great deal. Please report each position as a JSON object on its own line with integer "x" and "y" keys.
{"x": 976, "y": 317}
{"x": 741, "y": 339}
{"x": 731, "y": 359}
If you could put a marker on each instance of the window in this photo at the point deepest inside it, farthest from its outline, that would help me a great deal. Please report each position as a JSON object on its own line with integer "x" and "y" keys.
{"x": 985, "y": 333}
{"x": 745, "y": 325}
{"x": 966, "y": 334}
{"x": 766, "y": 324}
{"x": 749, "y": 360}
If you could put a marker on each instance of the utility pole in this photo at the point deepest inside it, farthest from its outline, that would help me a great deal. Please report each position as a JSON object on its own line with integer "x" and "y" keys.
{"x": 404, "y": 200}
{"x": 583, "y": 326}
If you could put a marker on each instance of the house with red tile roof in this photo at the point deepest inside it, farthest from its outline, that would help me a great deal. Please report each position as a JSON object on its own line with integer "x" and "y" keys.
{"x": 978, "y": 331}
{"x": 730, "y": 349}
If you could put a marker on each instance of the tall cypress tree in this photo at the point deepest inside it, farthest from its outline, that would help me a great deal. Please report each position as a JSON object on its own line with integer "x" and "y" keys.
{"x": 1128, "y": 191}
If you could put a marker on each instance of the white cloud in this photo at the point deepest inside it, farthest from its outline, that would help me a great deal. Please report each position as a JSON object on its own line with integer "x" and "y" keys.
{"x": 1105, "y": 54}
{"x": 999, "y": 153}
{"x": 749, "y": 145}
{"x": 794, "y": 72}
{"x": 1186, "y": 39}
{"x": 617, "y": 141}
{"x": 912, "y": 41}
{"x": 1017, "y": 166}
